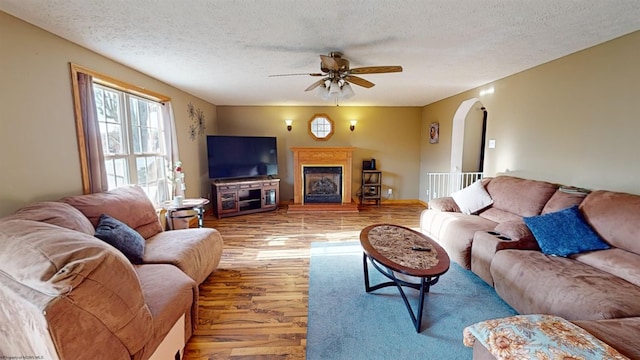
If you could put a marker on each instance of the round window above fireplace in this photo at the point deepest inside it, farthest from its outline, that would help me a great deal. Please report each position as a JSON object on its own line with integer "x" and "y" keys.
{"x": 321, "y": 127}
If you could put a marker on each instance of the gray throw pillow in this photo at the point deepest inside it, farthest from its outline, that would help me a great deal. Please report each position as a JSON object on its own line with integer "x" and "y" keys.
{"x": 117, "y": 234}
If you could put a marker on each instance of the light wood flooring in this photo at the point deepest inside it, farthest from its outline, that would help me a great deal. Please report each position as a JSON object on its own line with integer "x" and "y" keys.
{"x": 254, "y": 306}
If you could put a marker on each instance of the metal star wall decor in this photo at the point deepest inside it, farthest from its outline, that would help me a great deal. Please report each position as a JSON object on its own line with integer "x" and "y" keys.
{"x": 199, "y": 122}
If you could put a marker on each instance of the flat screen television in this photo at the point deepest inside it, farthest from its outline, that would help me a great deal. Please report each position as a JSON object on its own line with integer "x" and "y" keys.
{"x": 232, "y": 157}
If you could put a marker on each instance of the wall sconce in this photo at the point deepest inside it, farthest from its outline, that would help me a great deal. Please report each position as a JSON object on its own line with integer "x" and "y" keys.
{"x": 288, "y": 122}
{"x": 353, "y": 125}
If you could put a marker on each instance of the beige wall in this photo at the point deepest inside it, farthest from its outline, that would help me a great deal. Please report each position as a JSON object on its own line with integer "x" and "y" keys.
{"x": 573, "y": 121}
{"x": 388, "y": 134}
{"x": 38, "y": 146}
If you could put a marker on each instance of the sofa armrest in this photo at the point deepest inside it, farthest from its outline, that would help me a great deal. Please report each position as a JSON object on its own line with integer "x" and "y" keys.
{"x": 520, "y": 237}
{"x": 444, "y": 204}
{"x": 487, "y": 243}
{"x": 93, "y": 295}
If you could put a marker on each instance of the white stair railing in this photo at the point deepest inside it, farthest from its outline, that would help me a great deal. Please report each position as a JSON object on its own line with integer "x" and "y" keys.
{"x": 443, "y": 184}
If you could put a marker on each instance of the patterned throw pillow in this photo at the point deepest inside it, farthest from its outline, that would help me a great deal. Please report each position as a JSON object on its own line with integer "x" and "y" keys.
{"x": 564, "y": 232}
{"x": 122, "y": 237}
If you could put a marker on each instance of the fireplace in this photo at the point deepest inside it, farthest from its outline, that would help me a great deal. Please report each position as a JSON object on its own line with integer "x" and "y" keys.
{"x": 322, "y": 179}
{"x": 322, "y": 184}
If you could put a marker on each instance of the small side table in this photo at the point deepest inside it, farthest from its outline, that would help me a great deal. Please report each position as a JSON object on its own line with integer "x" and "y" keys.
{"x": 196, "y": 205}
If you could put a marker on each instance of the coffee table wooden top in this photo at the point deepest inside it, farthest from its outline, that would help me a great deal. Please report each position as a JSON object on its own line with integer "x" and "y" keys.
{"x": 392, "y": 246}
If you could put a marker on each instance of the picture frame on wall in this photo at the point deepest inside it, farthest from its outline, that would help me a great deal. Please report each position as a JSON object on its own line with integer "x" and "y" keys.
{"x": 434, "y": 133}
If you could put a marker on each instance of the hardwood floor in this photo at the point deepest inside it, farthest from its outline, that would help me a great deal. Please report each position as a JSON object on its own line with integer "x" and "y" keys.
{"x": 254, "y": 306}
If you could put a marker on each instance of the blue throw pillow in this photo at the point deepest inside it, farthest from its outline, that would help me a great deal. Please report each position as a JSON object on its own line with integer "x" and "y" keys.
{"x": 122, "y": 237}
{"x": 564, "y": 232}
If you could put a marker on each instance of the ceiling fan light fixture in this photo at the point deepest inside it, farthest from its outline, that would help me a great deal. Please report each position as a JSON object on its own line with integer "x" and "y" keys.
{"x": 334, "y": 88}
{"x": 338, "y": 77}
{"x": 347, "y": 91}
{"x": 323, "y": 92}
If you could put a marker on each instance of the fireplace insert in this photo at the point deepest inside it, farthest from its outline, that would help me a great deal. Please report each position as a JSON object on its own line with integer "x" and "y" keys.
{"x": 322, "y": 184}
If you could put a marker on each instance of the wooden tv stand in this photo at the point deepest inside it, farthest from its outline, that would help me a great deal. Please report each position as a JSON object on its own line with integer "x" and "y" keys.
{"x": 244, "y": 196}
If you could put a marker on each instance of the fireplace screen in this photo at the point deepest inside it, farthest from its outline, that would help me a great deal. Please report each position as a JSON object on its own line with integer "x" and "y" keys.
{"x": 322, "y": 184}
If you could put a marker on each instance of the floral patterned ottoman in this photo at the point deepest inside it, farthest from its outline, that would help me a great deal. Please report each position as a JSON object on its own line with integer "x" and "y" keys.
{"x": 537, "y": 337}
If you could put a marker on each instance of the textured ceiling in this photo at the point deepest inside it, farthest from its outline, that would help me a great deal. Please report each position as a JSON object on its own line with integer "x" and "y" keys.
{"x": 223, "y": 50}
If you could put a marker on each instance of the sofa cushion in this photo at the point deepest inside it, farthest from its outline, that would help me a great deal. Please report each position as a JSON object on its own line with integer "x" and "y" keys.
{"x": 119, "y": 235}
{"x": 563, "y": 198}
{"x": 523, "y": 197}
{"x": 621, "y": 334}
{"x": 564, "y": 233}
{"x": 56, "y": 213}
{"x": 615, "y": 217}
{"x": 195, "y": 251}
{"x": 621, "y": 263}
{"x": 535, "y": 283}
{"x": 499, "y": 215}
{"x": 472, "y": 199}
{"x": 128, "y": 204}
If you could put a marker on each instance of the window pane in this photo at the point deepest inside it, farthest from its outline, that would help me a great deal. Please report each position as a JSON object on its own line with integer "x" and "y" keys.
{"x": 133, "y": 111}
{"x": 107, "y": 104}
{"x": 115, "y": 139}
{"x": 99, "y": 98}
{"x": 111, "y": 177}
{"x": 152, "y": 141}
{"x": 154, "y": 115}
{"x": 146, "y": 126}
{"x": 152, "y": 176}
{"x": 141, "y": 168}
{"x": 117, "y": 173}
{"x": 103, "y": 138}
{"x": 150, "y": 169}
{"x": 122, "y": 172}
{"x": 135, "y": 138}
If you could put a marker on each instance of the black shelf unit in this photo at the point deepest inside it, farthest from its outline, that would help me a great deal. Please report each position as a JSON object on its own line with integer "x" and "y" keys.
{"x": 371, "y": 190}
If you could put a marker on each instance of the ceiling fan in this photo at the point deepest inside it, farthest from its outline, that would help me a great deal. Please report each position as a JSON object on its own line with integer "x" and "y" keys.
{"x": 337, "y": 75}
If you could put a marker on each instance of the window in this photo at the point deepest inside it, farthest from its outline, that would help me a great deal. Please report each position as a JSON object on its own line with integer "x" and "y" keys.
{"x": 321, "y": 127}
{"x": 132, "y": 134}
{"x": 133, "y": 127}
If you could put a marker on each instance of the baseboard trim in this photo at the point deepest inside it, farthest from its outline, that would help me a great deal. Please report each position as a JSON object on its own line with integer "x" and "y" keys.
{"x": 403, "y": 202}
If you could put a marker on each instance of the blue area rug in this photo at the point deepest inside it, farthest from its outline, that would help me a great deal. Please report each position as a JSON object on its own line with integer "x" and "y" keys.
{"x": 347, "y": 323}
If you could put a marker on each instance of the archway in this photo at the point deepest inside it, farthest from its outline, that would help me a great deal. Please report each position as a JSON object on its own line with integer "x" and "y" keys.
{"x": 468, "y": 137}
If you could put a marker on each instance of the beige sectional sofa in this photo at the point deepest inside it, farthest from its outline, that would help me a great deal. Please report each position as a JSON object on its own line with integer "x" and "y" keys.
{"x": 66, "y": 294}
{"x": 597, "y": 290}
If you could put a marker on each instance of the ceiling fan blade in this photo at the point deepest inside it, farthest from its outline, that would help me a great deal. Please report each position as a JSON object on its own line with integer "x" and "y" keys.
{"x": 329, "y": 63}
{"x": 315, "y": 84}
{"x": 311, "y": 74}
{"x": 359, "y": 81}
{"x": 375, "y": 69}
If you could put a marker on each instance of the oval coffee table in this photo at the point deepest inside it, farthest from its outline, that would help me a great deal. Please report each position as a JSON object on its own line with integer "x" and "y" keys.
{"x": 394, "y": 250}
